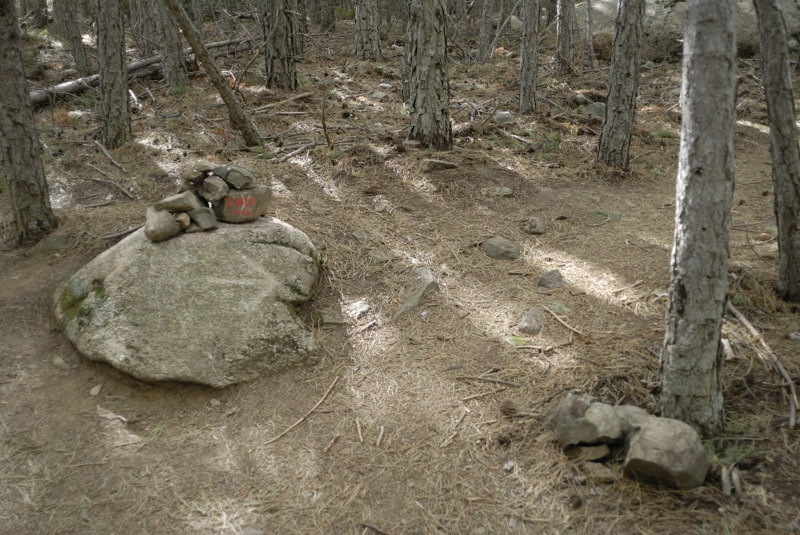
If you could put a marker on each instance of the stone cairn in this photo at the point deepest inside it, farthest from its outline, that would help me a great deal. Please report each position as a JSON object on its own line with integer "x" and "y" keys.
{"x": 210, "y": 193}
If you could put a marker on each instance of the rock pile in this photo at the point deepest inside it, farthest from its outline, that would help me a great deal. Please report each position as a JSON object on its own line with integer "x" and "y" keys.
{"x": 658, "y": 450}
{"x": 210, "y": 193}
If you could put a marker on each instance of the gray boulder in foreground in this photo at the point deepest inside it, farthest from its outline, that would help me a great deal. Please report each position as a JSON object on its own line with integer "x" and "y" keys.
{"x": 214, "y": 308}
{"x": 581, "y": 419}
{"x": 668, "y": 452}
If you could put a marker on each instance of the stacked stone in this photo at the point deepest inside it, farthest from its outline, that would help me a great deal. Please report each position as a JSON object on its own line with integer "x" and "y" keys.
{"x": 210, "y": 193}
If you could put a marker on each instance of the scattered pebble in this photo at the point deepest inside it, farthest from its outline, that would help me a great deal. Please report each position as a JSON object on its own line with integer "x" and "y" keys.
{"x": 215, "y": 402}
{"x": 533, "y": 225}
{"x": 551, "y": 280}
{"x": 500, "y": 249}
{"x": 95, "y": 391}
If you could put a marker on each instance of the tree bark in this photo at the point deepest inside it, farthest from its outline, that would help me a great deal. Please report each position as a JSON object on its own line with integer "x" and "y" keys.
{"x": 428, "y": 85}
{"x": 327, "y": 21}
{"x": 368, "y": 39}
{"x": 565, "y": 37}
{"x": 65, "y": 13}
{"x": 279, "y": 48}
{"x": 590, "y": 60}
{"x": 239, "y": 118}
{"x": 691, "y": 356}
{"x": 170, "y": 47}
{"x": 529, "y": 56}
{"x": 783, "y": 143}
{"x": 623, "y": 82}
{"x": 19, "y": 143}
{"x": 114, "y": 107}
{"x": 485, "y": 32}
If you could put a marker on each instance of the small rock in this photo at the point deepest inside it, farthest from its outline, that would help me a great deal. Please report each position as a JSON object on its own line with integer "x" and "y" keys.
{"x": 160, "y": 225}
{"x": 580, "y": 99}
{"x": 384, "y": 85}
{"x": 378, "y": 95}
{"x": 183, "y": 220}
{"x": 362, "y": 236}
{"x": 500, "y": 249}
{"x": 204, "y": 218}
{"x": 319, "y": 207}
{"x": 588, "y": 453}
{"x": 95, "y": 391}
{"x": 503, "y": 117}
{"x": 215, "y": 402}
{"x": 508, "y": 466}
{"x": 794, "y": 336}
{"x": 242, "y": 206}
{"x": 180, "y": 202}
{"x": 531, "y": 322}
{"x": 381, "y": 205}
{"x": 533, "y": 225}
{"x": 240, "y": 177}
{"x": 214, "y": 189}
{"x": 595, "y": 109}
{"x": 515, "y": 23}
{"x": 497, "y": 191}
{"x": 378, "y": 256}
{"x": 581, "y": 419}
{"x": 598, "y": 472}
{"x": 551, "y": 280}
{"x": 668, "y": 452}
{"x": 53, "y": 242}
{"x": 357, "y": 309}
{"x": 191, "y": 229}
{"x": 427, "y": 165}
{"x": 464, "y": 86}
{"x": 60, "y": 363}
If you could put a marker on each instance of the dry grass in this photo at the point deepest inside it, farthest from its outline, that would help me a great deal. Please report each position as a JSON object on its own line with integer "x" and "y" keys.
{"x": 437, "y": 423}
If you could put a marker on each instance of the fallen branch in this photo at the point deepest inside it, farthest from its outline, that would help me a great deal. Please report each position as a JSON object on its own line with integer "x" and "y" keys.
{"x": 107, "y": 155}
{"x": 284, "y": 101}
{"x": 485, "y": 380}
{"x": 111, "y": 182}
{"x": 776, "y": 363}
{"x": 121, "y": 234}
{"x": 306, "y": 415}
{"x": 43, "y": 96}
{"x": 565, "y": 324}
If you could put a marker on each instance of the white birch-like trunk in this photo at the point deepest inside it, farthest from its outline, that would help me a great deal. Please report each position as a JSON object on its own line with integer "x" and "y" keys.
{"x": 691, "y": 357}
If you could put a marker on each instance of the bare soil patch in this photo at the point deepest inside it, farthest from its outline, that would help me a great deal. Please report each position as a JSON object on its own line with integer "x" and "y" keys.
{"x": 436, "y": 422}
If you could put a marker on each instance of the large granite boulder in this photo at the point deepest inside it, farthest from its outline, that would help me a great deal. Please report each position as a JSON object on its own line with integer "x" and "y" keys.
{"x": 214, "y": 308}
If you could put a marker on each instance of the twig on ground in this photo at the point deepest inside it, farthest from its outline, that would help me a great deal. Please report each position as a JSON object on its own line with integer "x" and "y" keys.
{"x": 380, "y": 437}
{"x": 373, "y": 528}
{"x": 306, "y": 415}
{"x": 112, "y": 160}
{"x": 296, "y": 152}
{"x": 110, "y": 182}
{"x": 485, "y": 380}
{"x": 776, "y": 363}
{"x": 482, "y": 395}
{"x": 327, "y": 448}
{"x": 634, "y": 285}
{"x": 358, "y": 429}
{"x": 121, "y": 234}
{"x": 284, "y": 101}
{"x": 565, "y": 324}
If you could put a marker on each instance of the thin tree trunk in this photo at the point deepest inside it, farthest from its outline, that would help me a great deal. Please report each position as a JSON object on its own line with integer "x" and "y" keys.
{"x": 428, "y": 85}
{"x": 170, "y": 47}
{"x": 485, "y": 32}
{"x": 19, "y": 143}
{"x": 691, "y": 358}
{"x": 623, "y": 81}
{"x": 565, "y": 38}
{"x": 279, "y": 47}
{"x": 783, "y": 143}
{"x": 590, "y": 60}
{"x": 114, "y": 107}
{"x": 239, "y": 118}
{"x": 65, "y": 13}
{"x": 368, "y": 39}
{"x": 529, "y": 56}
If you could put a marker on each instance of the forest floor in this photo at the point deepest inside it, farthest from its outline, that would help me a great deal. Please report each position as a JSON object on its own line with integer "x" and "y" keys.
{"x": 412, "y": 438}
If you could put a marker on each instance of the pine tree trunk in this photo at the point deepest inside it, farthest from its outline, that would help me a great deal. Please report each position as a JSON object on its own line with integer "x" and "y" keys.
{"x": 239, "y": 118}
{"x": 368, "y": 39}
{"x": 485, "y": 33}
{"x": 114, "y": 108}
{"x": 529, "y": 56}
{"x": 65, "y": 13}
{"x": 327, "y": 21}
{"x": 170, "y": 46}
{"x": 783, "y": 143}
{"x": 565, "y": 38}
{"x": 19, "y": 143}
{"x": 279, "y": 48}
{"x": 691, "y": 357}
{"x": 623, "y": 82}
{"x": 429, "y": 100}
{"x": 590, "y": 60}
{"x": 143, "y": 26}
